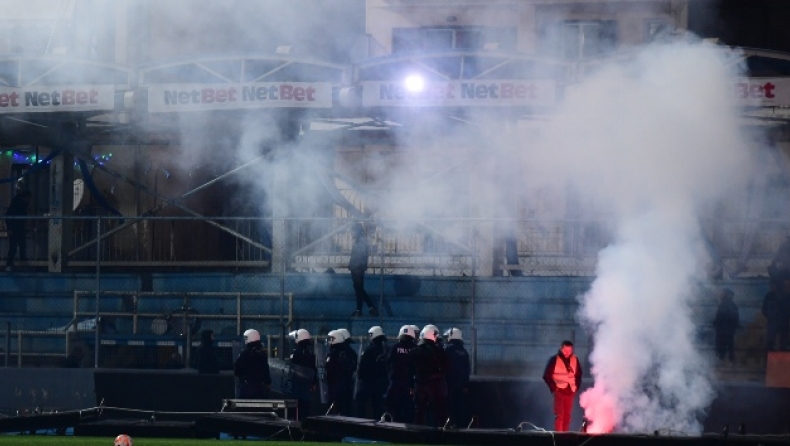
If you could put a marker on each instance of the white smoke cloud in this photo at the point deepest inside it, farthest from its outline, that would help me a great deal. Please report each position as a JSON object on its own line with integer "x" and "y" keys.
{"x": 653, "y": 140}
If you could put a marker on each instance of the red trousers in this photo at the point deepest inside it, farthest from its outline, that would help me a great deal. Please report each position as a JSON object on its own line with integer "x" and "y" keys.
{"x": 563, "y": 405}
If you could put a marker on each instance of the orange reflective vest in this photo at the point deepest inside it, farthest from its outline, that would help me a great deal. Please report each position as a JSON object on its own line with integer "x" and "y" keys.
{"x": 565, "y": 376}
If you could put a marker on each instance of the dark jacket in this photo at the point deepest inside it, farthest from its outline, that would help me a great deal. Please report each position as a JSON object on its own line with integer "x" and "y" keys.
{"x": 548, "y": 374}
{"x": 776, "y": 308}
{"x": 206, "y": 355}
{"x": 400, "y": 365}
{"x": 458, "y": 375}
{"x": 779, "y": 269}
{"x": 372, "y": 367}
{"x": 17, "y": 208}
{"x": 430, "y": 362}
{"x": 359, "y": 254}
{"x": 303, "y": 356}
{"x": 341, "y": 363}
{"x": 252, "y": 365}
{"x": 727, "y": 319}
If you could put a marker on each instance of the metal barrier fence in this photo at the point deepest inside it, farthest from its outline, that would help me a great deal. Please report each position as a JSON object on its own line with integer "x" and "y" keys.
{"x": 187, "y": 314}
{"x": 180, "y": 314}
{"x": 749, "y": 364}
{"x": 504, "y": 347}
{"x": 445, "y": 247}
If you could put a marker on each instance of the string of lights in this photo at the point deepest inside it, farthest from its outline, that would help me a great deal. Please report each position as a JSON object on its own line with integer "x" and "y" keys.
{"x": 18, "y": 157}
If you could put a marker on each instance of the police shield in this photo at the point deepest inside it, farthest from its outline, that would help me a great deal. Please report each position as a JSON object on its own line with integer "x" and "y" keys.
{"x": 320, "y": 359}
{"x": 279, "y": 371}
{"x": 356, "y": 372}
{"x": 291, "y": 379}
{"x": 301, "y": 380}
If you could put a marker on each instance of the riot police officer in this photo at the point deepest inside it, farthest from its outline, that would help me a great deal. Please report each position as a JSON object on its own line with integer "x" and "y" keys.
{"x": 400, "y": 369}
{"x": 372, "y": 374}
{"x": 305, "y": 377}
{"x": 430, "y": 374}
{"x": 252, "y": 368}
{"x": 341, "y": 363}
{"x": 457, "y": 377}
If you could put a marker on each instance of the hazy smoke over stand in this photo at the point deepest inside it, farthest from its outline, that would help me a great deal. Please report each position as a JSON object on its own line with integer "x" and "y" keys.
{"x": 651, "y": 140}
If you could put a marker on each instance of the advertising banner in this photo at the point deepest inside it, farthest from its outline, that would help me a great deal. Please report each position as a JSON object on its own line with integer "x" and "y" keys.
{"x": 57, "y": 98}
{"x": 484, "y": 93}
{"x": 763, "y": 92}
{"x": 204, "y": 97}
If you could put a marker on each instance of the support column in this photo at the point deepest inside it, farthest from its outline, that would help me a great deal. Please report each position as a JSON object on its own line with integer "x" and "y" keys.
{"x": 481, "y": 211}
{"x": 61, "y": 203}
{"x": 279, "y": 244}
{"x": 281, "y": 232}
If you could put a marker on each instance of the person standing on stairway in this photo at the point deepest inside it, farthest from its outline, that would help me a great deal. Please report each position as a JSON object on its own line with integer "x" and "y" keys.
{"x": 358, "y": 264}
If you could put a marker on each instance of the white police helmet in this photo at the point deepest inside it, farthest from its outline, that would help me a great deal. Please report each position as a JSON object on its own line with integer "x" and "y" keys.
{"x": 453, "y": 333}
{"x": 335, "y": 337}
{"x": 406, "y": 330}
{"x": 346, "y": 334}
{"x": 375, "y": 332}
{"x": 251, "y": 336}
{"x": 416, "y": 330}
{"x": 299, "y": 335}
{"x": 430, "y": 332}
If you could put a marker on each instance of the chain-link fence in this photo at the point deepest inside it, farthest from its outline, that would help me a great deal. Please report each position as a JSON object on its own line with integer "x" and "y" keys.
{"x": 136, "y": 292}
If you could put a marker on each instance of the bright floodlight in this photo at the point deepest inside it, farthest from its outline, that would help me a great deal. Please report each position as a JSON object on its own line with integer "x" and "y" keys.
{"x": 414, "y": 83}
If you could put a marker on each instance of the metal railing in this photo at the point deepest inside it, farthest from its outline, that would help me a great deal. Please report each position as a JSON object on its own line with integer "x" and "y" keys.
{"x": 540, "y": 247}
{"x": 186, "y": 301}
{"x": 17, "y": 339}
{"x": 183, "y": 316}
{"x": 749, "y": 360}
{"x": 66, "y": 335}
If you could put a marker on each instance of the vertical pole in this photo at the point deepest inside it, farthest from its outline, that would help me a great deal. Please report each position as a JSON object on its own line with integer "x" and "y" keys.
{"x": 474, "y": 318}
{"x": 135, "y": 319}
{"x": 36, "y": 210}
{"x": 61, "y": 204}
{"x": 98, "y": 294}
{"x": 188, "y": 334}
{"x": 284, "y": 260}
{"x": 19, "y": 349}
{"x": 76, "y": 309}
{"x": 238, "y": 314}
{"x": 137, "y": 228}
{"x": 56, "y": 209}
{"x": 380, "y": 245}
{"x": 7, "y": 344}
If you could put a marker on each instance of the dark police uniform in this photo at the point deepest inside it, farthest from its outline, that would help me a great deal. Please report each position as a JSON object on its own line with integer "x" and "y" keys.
{"x": 430, "y": 390}
{"x": 252, "y": 369}
{"x": 304, "y": 358}
{"x": 458, "y": 382}
{"x": 400, "y": 368}
{"x": 372, "y": 376}
{"x": 341, "y": 363}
